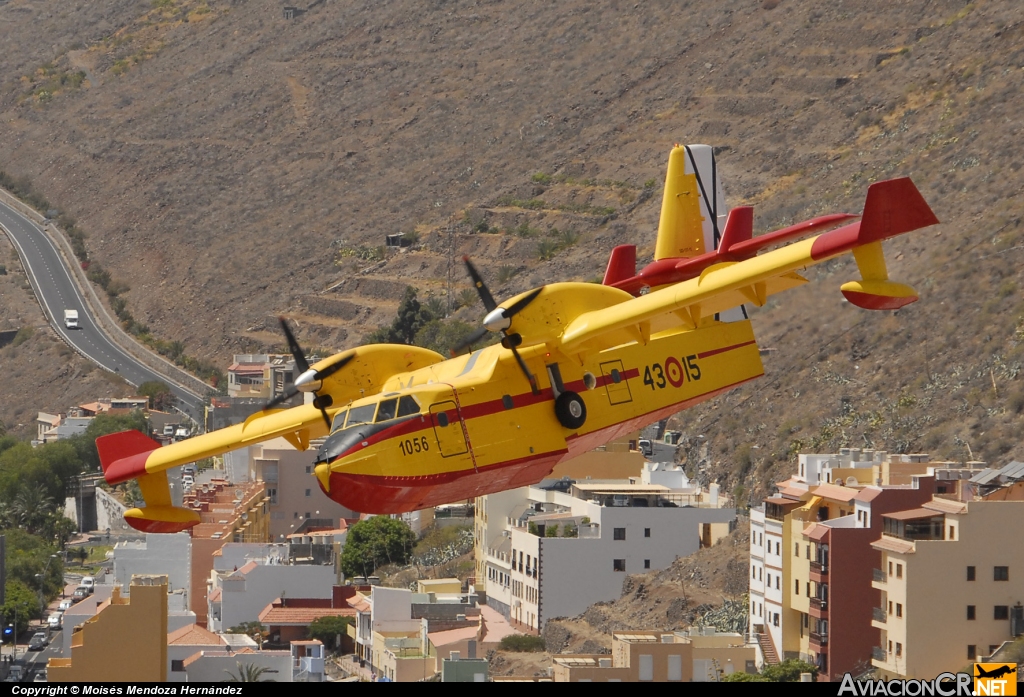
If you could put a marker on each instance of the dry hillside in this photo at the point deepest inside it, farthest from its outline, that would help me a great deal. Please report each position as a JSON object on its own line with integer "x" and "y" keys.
{"x": 228, "y": 165}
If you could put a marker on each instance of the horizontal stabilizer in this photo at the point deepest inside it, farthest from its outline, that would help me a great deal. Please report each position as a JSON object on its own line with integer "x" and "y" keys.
{"x": 123, "y": 455}
{"x": 164, "y": 519}
{"x": 621, "y": 264}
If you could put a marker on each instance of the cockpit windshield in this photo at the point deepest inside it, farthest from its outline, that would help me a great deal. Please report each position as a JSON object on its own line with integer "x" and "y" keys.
{"x": 386, "y": 410}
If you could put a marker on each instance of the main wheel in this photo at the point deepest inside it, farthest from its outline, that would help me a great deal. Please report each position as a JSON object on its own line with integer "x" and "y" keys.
{"x": 570, "y": 410}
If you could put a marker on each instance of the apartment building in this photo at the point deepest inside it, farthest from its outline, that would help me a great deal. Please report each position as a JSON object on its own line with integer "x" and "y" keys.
{"x": 951, "y": 583}
{"x": 260, "y": 375}
{"x": 698, "y": 655}
{"x": 566, "y": 545}
{"x": 126, "y": 641}
{"x": 617, "y": 460}
{"x": 156, "y": 554}
{"x": 810, "y": 555}
{"x": 295, "y": 500}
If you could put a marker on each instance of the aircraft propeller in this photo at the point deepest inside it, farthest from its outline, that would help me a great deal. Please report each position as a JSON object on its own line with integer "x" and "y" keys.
{"x": 311, "y": 380}
{"x": 499, "y": 319}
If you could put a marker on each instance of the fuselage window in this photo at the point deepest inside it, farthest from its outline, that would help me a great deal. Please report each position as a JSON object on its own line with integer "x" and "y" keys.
{"x": 407, "y": 406}
{"x": 387, "y": 410}
{"x": 339, "y": 420}
{"x": 361, "y": 415}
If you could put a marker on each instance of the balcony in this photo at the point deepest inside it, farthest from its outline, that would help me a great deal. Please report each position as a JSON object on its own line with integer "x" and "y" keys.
{"x": 878, "y": 653}
{"x": 878, "y": 575}
{"x": 878, "y": 614}
{"x": 818, "y": 640}
{"x": 818, "y": 570}
{"x": 819, "y": 607}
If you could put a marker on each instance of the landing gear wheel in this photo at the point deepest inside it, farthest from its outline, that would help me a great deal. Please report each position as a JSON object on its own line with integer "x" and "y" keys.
{"x": 570, "y": 410}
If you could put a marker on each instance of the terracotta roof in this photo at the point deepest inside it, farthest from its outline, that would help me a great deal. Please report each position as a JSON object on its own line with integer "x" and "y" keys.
{"x": 276, "y": 615}
{"x": 816, "y": 531}
{"x": 193, "y": 635}
{"x": 835, "y": 492}
{"x": 781, "y": 501}
{"x": 360, "y": 605}
{"x": 868, "y": 493}
{"x": 894, "y": 544}
{"x": 215, "y": 594}
{"x": 450, "y": 636}
{"x": 912, "y": 514}
{"x": 248, "y": 567}
{"x": 946, "y": 506}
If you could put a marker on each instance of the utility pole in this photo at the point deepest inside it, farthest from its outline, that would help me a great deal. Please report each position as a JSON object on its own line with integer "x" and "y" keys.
{"x": 450, "y": 284}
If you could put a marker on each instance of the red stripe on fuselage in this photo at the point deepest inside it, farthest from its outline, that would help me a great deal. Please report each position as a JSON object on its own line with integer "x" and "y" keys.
{"x": 715, "y": 352}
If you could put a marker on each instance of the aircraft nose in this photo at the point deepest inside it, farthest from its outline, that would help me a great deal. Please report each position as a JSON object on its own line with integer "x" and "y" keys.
{"x": 323, "y": 473}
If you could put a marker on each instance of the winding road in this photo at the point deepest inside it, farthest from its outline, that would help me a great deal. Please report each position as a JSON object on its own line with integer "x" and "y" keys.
{"x": 56, "y": 291}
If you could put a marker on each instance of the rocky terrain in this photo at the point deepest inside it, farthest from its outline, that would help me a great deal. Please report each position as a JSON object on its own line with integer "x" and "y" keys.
{"x": 228, "y": 165}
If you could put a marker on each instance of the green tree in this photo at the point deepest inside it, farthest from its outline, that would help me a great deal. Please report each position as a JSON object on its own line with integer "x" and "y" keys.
{"x": 442, "y": 334}
{"x": 410, "y": 319}
{"x": 744, "y": 677}
{"x": 374, "y": 542}
{"x": 570, "y": 530}
{"x": 789, "y": 670}
{"x": 522, "y": 643}
{"x": 31, "y": 507}
{"x": 551, "y": 530}
{"x": 160, "y": 396}
{"x": 252, "y": 629}
{"x": 21, "y": 602}
{"x": 329, "y": 629}
{"x": 248, "y": 673}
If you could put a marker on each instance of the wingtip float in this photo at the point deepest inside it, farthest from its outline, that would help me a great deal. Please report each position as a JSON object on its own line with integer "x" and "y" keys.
{"x": 578, "y": 364}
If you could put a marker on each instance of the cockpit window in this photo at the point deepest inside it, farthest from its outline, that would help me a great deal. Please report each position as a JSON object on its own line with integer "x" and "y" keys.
{"x": 339, "y": 420}
{"x": 386, "y": 411}
{"x": 360, "y": 415}
{"x": 407, "y": 406}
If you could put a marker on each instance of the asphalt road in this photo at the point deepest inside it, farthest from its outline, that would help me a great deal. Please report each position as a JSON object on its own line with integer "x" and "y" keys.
{"x": 57, "y": 292}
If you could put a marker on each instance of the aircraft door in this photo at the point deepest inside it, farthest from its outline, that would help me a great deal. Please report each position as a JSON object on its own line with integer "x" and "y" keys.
{"x": 451, "y": 439}
{"x": 615, "y": 382}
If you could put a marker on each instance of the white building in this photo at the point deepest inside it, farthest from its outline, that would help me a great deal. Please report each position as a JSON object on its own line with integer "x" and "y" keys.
{"x": 614, "y": 528}
{"x": 235, "y": 597}
{"x": 159, "y": 554}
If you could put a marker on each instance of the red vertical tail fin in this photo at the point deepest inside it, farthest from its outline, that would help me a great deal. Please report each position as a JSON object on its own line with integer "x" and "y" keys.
{"x": 621, "y": 264}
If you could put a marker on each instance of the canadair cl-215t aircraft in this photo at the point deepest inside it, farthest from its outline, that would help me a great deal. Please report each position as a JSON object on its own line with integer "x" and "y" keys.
{"x": 578, "y": 365}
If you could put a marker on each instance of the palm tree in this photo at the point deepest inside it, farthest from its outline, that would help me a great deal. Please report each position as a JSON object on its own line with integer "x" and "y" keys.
{"x": 31, "y": 507}
{"x": 248, "y": 673}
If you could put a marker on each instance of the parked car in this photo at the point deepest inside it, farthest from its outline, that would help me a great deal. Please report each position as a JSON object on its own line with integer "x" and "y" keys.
{"x": 168, "y": 430}
{"x": 38, "y": 641}
{"x": 80, "y": 593}
{"x": 53, "y": 621}
{"x": 65, "y": 604}
{"x": 89, "y": 582}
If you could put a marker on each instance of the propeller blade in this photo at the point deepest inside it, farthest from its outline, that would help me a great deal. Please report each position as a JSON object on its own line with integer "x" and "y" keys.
{"x": 283, "y": 397}
{"x": 327, "y": 419}
{"x": 481, "y": 287}
{"x": 300, "y": 359}
{"x": 334, "y": 367}
{"x": 520, "y": 305}
{"x": 526, "y": 371}
{"x": 469, "y": 341}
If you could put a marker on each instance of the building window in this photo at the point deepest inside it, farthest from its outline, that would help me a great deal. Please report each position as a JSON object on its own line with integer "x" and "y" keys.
{"x": 177, "y": 666}
{"x": 1001, "y": 573}
{"x": 899, "y": 649}
{"x": 309, "y": 469}
{"x": 647, "y": 532}
{"x": 619, "y": 533}
{"x": 1001, "y": 612}
{"x": 647, "y": 563}
{"x": 753, "y": 573}
{"x": 972, "y": 652}
{"x": 952, "y": 534}
{"x": 272, "y": 493}
{"x": 890, "y": 568}
{"x": 890, "y": 647}
{"x": 295, "y": 514}
{"x": 899, "y": 571}
{"x": 890, "y": 607}
{"x": 970, "y": 612}
{"x": 778, "y": 584}
{"x": 769, "y": 580}
{"x": 970, "y": 573}
{"x": 796, "y": 586}
{"x": 775, "y": 619}
{"x": 308, "y": 492}
{"x": 307, "y": 515}
{"x": 618, "y": 565}
{"x": 796, "y": 549}
{"x": 808, "y": 551}
{"x": 899, "y": 609}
